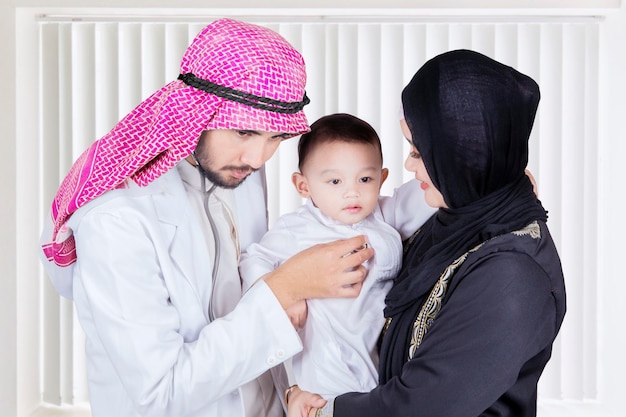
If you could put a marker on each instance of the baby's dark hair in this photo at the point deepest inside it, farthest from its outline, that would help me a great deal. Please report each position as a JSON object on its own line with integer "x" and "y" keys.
{"x": 341, "y": 127}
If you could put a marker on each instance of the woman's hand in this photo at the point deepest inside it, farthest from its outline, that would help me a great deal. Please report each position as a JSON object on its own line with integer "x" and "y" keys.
{"x": 303, "y": 404}
{"x": 532, "y": 181}
{"x": 327, "y": 270}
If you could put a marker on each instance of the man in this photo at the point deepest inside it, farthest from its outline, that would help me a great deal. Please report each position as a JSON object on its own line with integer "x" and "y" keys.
{"x": 147, "y": 227}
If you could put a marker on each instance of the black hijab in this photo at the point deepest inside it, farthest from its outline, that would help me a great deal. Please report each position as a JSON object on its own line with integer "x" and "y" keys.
{"x": 470, "y": 118}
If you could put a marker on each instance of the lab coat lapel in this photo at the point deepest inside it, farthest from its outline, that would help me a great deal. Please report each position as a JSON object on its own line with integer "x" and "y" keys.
{"x": 173, "y": 211}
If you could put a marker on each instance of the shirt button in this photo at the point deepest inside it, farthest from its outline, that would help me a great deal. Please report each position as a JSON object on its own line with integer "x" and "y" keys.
{"x": 271, "y": 360}
{"x": 280, "y": 353}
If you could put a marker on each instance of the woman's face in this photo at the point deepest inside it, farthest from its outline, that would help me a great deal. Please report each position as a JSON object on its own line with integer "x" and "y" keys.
{"x": 414, "y": 163}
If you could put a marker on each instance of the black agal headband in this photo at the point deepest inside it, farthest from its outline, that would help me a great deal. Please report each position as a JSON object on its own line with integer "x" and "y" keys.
{"x": 248, "y": 99}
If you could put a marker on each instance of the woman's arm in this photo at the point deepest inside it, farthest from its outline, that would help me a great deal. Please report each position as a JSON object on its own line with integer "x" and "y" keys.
{"x": 500, "y": 316}
{"x": 406, "y": 210}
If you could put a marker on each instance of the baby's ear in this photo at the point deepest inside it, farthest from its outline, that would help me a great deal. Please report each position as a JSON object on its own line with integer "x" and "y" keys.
{"x": 302, "y": 187}
{"x": 384, "y": 173}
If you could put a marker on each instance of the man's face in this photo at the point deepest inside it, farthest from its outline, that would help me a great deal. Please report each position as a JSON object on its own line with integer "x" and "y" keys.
{"x": 229, "y": 156}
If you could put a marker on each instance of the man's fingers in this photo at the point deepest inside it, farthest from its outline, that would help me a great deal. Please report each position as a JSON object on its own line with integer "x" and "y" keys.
{"x": 350, "y": 291}
{"x": 355, "y": 258}
{"x": 352, "y": 282}
{"x": 350, "y": 245}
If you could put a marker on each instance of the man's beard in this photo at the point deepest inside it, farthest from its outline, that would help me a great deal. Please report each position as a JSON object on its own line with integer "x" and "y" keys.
{"x": 225, "y": 182}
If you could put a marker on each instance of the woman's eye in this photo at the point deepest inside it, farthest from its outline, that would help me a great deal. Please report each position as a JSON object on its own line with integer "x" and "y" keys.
{"x": 415, "y": 154}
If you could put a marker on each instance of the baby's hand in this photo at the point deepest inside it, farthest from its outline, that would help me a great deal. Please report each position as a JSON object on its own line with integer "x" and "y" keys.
{"x": 303, "y": 404}
{"x": 297, "y": 314}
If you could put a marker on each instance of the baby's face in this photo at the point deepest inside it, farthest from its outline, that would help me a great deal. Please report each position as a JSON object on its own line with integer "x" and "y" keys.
{"x": 343, "y": 180}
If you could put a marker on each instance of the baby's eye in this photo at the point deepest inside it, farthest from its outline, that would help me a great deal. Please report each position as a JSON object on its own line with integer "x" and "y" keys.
{"x": 365, "y": 179}
{"x": 334, "y": 182}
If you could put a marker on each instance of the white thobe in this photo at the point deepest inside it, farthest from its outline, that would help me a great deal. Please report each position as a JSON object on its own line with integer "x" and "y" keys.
{"x": 340, "y": 335}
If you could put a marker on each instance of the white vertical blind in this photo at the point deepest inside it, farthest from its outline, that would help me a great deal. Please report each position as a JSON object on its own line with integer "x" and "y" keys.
{"x": 52, "y": 354}
{"x": 590, "y": 162}
{"x": 93, "y": 73}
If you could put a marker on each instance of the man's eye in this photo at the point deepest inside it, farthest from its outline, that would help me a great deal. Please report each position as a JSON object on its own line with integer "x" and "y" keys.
{"x": 284, "y": 136}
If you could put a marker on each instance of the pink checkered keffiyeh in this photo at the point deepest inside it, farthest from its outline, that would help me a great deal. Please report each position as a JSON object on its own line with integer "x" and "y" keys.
{"x": 165, "y": 128}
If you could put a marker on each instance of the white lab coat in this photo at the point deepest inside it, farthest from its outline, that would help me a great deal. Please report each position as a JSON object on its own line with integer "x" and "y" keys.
{"x": 150, "y": 348}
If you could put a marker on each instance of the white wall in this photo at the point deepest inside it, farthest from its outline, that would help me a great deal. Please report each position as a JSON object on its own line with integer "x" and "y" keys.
{"x": 15, "y": 401}
{"x": 613, "y": 221}
{"x": 8, "y": 319}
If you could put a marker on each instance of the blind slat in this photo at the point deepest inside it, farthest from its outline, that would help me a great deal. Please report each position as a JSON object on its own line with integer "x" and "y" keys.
{"x": 129, "y": 67}
{"x": 573, "y": 169}
{"x": 390, "y": 86}
{"x": 153, "y": 57}
{"x": 175, "y": 43}
{"x": 106, "y": 78}
{"x": 49, "y": 178}
{"x": 591, "y": 212}
{"x": 83, "y": 87}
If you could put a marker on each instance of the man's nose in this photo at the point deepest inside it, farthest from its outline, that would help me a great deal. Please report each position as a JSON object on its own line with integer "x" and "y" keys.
{"x": 256, "y": 153}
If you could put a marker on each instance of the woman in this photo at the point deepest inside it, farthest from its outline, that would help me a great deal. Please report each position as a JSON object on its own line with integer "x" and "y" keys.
{"x": 474, "y": 311}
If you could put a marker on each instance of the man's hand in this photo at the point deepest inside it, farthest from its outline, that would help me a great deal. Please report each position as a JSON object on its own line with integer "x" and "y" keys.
{"x": 327, "y": 270}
